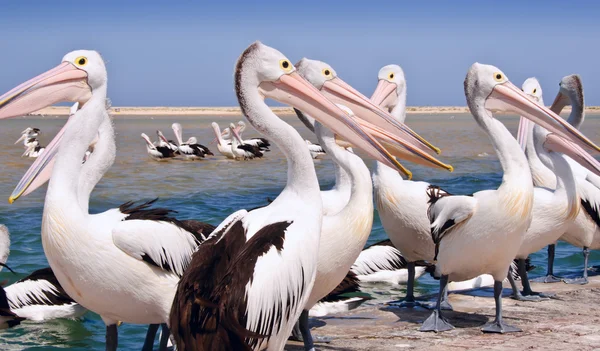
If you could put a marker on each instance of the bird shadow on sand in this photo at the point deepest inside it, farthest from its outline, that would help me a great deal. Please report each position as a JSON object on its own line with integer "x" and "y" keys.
{"x": 418, "y": 315}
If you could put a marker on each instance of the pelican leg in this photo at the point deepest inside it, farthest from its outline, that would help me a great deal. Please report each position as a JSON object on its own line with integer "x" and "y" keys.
{"x": 516, "y": 293}
{"x": 525, "y": 282}
{"x": 445, "y": 305}
{"x": 164, "y": 337}
{"x": 150, "y": 336}
{"x": 409, "y": 301}
{"x": 112, "y": 337}
{"x": 550, "y": 277}
{"x": 309, "y": 342}
{"x": 584, "y": 279}
{"x": 498, "y": 326}
{"x": 436, "y": 322}
{"x": 296, "y": 333}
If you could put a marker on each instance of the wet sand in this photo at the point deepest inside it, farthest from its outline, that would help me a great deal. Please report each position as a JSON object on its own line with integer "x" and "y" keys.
{"x": 235, "y": 111}
{"x": 570, "y": 321}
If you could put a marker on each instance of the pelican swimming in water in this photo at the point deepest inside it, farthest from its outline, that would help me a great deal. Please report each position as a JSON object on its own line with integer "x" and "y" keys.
{"x": 316, "y": 150}
{"x": 28, "y": 136}
{"x": 157, "y": 152}
{"x": 223, "y": 145}
{"x": 262, "y": 143}
{"x": 191, "y": 150}
{"x": 230, "y": 297}
{"x": 476, "y": 224}
{"x": 103, "y": 260}
{"x": 240, "y": 150}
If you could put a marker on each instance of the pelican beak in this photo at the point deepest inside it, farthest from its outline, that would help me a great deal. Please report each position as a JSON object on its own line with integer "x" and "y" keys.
{"x": 65, "y": 82}
{"x": 162, "y": 137}
{"x": 385, "y": 94}
{"x": 560, "y": 101}
{"x": 341, "y": 92}
{"x": 556, "y": 143}
{"x": 525, "y": 126}
{"x": 507, "y": 97}
{"x": 41, "y": 170}
{"x": 236, "y": 134}
{"x": 294, "y": 90}
{"x": 23, "y": 136}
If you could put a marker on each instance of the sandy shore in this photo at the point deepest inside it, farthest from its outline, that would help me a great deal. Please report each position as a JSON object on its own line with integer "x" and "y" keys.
{"x": 570, "y": 321}
{"x": 235, "y": 111}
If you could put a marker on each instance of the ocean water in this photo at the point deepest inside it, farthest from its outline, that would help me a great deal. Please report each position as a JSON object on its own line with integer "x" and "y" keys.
{"x": 211, "y": 189}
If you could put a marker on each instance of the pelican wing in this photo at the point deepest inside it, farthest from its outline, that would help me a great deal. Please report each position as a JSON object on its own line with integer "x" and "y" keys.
{"x": 231, "y": 306}
{"x": 39, "y": 288}
{"x": 446, "y": 211}
{"x": 378, "y": 257}
{"x": 590, "y": 199}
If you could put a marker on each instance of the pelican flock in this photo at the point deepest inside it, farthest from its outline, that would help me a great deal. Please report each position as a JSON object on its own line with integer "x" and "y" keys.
{"x": 253, "y": 280}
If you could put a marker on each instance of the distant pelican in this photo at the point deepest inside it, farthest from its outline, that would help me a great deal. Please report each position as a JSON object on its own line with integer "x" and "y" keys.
{"x": 191, "y": 150}
{"x": 157, "y": 153}
{"x": 476, "y": 224}
{"x": 261, "y": 143}
{"x": 224, "y": 146}
{"x": 240, "y": 150}
{"x": 28, "y": 136}
{"x": 316, "y": 150}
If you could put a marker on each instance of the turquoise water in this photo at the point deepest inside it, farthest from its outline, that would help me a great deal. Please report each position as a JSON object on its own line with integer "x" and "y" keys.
{"x": 209, "y": 190}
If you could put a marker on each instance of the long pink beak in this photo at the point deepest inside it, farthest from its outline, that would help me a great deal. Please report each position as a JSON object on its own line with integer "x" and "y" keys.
{"x": 65, "y": 82}
{"x": 340, "y": 92}
{"x": 292, "y": 89}
{"x": 385, "y": 94}
{"x": 508, "y": 97}
{"x": 559, "y": 144}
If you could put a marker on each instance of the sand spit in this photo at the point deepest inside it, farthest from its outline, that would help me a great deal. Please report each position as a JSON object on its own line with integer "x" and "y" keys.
{"x": 571, "y": 321}
{"x": 235, "y": 111}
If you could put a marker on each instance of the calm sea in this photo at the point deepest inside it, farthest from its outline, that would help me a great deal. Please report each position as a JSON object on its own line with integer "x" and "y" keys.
{"x": 211, "y": 189}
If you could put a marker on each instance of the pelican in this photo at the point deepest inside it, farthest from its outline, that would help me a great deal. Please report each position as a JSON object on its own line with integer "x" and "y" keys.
{"x": 104, "y": 260}
{"x": 261, "y": 143}
{"x": 240, "y": 150}
{"x": 34, "y": 149}
{"x": 249, "y": 282}
{"x": 383, "y": 263}
{"x": 316, "y": 150}
{"x": 164, "y": 142}
{"x": 402, "y": 204}
{"x": 8, "y": 318}
{"x": 337, "y": 197}
{"x": 490, "y": 224}
{"x": 40, "y": 297}
{"x": 191, "y": 150}
{"x": 157, "y": 152}
{"x": 28, "y": 136}
{"x": 224, "y": 146}
{"x": 555, "y": 208}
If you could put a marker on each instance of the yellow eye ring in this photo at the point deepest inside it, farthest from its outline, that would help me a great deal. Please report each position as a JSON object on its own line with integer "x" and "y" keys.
{"x": 326, "y": 72}
{"x": 81, "y": 61}
{"x": 285, "y": 65}
{"x": 534, "y": 90}
{"x": 498, "y": 77}
{"x": 391, "y": 76}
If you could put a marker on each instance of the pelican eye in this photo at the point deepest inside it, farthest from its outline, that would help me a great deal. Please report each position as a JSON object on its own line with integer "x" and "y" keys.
{"x": 534, "y": 90}
{"x": 81, "y": 61}
{"x": 498, "y": 77}
{"x": 326, "y": 72}
{"x": 285, "y": 65}
{"x": 391, "y": 76}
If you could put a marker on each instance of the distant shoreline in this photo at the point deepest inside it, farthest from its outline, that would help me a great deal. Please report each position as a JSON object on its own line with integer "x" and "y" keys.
{"x": 235, "y": 111}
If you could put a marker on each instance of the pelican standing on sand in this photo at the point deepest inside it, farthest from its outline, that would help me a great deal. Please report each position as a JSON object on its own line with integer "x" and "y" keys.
{"x": 402, "y": 204}
{"x": 230, "y": 297}
{"x": 553, "y": 210}
{"x": 103, "y": 260}
{"x": 490, "y": 224}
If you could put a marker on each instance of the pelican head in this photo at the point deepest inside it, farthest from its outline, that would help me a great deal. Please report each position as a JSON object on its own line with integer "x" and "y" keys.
{"x": 74, "y": 80}
{"x": 241, "y": 126}
{"x": 531, "y": 86}
{"x": 325, "y": 78}
{"x": 570, "y": 89}
{"x": 81, "y": 74}
{"x": 148, "y": 141}
{"x": 487, "y": 88}
{"x": 161, "y": 138}
{"x": 390, "y": 87}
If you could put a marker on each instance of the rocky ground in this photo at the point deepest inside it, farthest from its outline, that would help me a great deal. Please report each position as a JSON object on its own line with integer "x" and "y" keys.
{"x": 569, "y": 321}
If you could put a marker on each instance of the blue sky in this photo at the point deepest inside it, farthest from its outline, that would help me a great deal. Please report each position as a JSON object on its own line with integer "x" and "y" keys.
{"x": 163, "y": 53}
